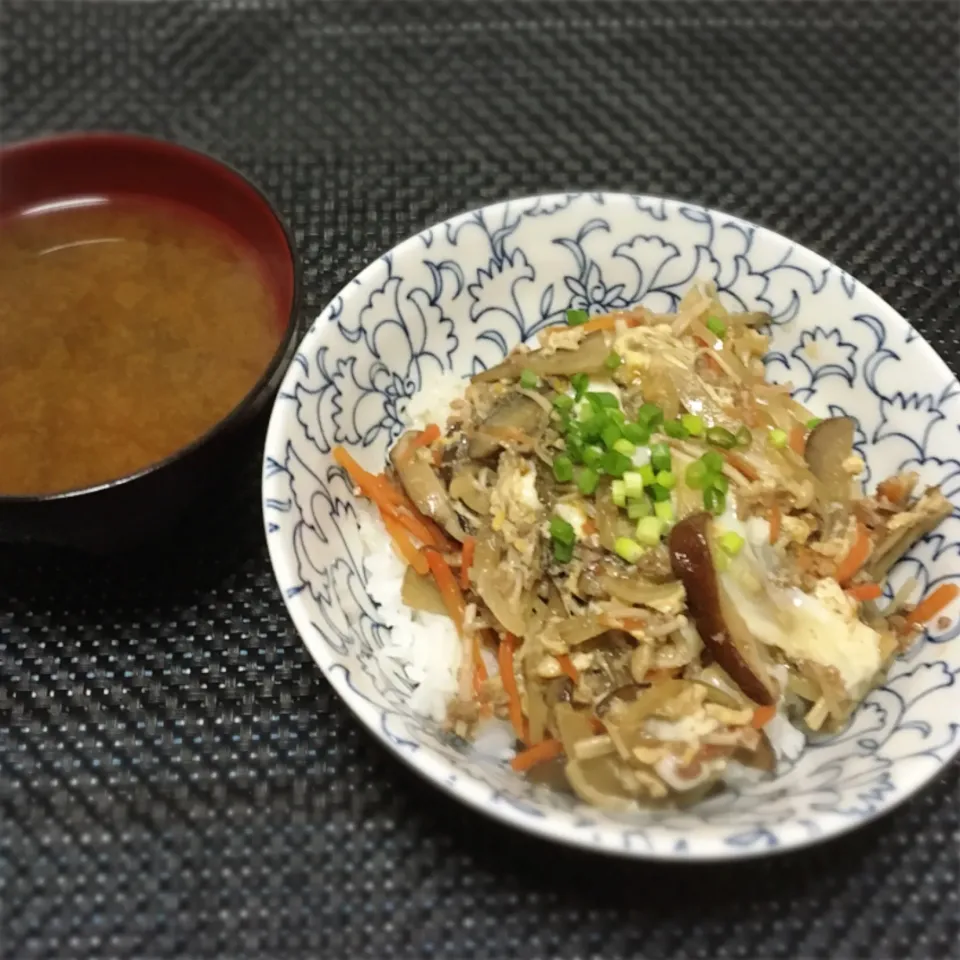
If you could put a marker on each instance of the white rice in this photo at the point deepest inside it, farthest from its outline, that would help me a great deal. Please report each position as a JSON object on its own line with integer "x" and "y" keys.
{"x": 432, "y": 403}
{"x": 424, "y": 645}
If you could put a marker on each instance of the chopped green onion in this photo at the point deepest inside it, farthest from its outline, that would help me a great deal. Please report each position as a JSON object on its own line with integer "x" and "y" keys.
{"x": 576, "y": 318}
{"x": 529, "y": 380}
{"x": 664, "y": 511}
{"x": 610, "y": 434}
{"x": 587, "y": 480}
{"x": 716, "y": 326}
{"x": 625, "y": 447}
{"x": 660, "y": 458}
{"x": 666, "y": 479}
{"x": 712, "y": 461}
{"x": 634, "y": 484}
{"x": 628, "y": 549}
{"x": 744, "y": 436}
{"x": 641, "y": 507}
{"x": 613, "y": 361}
{"x": 721, "y": 561}
{"x": 563, "y": 468}
{"x": 675, "y": 429}
{"x": 563, "y": 403}
{"x": 618, "y": 493}
{"x": 814, "y": 422}
{"x": 562, "y": 552}
{"x": 603, "y": 398}
{"x": 696, "y": 475}
{"x": 648, "y": 474}
{"x": 618, "y": 417}
{"x": 721, "y": 437}
{"x": 731, "y": 543}
{"x": 714, "y": 501}
{"x": 649, "y": 530}
{"x": 693, "y": 424}
{"x": 636, "y": 434}
{"x": 574, "y": 447}
{"x": 777, "y": 438}
{"x": 615, "y": 463}
{"x": 719, "y": 482}
{"x": 591, "y": 455}
{"x": 659, "y": 493}
{"x": 561, "y": 531}
{"x": 580, "y": 382}
{"x": 592, "y": 427}
{"x": 650, "y": 415}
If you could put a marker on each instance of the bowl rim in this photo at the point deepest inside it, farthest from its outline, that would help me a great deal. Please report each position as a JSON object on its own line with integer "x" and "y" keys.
{"x": 277, "y": 360}
{"x": 436, "y": 769}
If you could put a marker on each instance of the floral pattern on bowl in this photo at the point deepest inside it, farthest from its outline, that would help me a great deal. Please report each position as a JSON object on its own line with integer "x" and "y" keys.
{"x": 457, "y": 297}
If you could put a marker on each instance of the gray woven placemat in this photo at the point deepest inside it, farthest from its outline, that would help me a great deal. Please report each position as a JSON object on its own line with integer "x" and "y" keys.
{"x": 176, "y": 778}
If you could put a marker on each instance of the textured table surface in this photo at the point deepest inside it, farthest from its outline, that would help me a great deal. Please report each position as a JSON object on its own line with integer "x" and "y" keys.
{"x": 176, "y": 778}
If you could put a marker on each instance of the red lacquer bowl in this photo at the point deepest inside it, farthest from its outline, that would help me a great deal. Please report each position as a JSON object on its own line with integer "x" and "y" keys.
{"x": 55, "y": 169}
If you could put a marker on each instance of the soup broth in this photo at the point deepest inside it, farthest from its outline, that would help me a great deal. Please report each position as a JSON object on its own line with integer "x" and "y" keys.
{"x": 128, "y": 328}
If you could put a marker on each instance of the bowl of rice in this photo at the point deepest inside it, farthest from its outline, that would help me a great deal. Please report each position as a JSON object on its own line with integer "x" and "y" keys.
{"x": 702, "y": 729}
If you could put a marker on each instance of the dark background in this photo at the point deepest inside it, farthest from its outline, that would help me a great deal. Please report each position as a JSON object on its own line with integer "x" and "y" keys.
{"x": 176, "y": 778}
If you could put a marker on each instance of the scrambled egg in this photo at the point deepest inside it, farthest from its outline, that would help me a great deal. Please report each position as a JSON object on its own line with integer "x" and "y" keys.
{"x": 575, "y": 515}
{"x": 514, "y": 497}
{"x": 822, "y": 627}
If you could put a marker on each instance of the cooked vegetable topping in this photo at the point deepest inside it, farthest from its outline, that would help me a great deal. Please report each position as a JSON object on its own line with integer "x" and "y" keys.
{"x": 717, "y": 327}
{"x": 562, "y": 468}
{"x": 655, "y": 584}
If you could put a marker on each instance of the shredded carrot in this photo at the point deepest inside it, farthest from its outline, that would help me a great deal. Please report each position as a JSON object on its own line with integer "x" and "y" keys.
{"x": 509, "y": 681}
{"x": 388, "y": 491}
{"x": 566, "y": 665}
{"x": 589, "y": 527}
{"x": 607, "y": 322}
{"x": 425, "y": 529}
{"x": 426, "y": 436}
{"x": 864, "y": 591}
{"x": 469, "y": 546}
{"x": 855, "y": 559}
{"x": 447, "y": 585}
{"x": 738, "y": 463}
{"x": 404, "y": 545}
{"x": 368, "y": 483}
{"x": 893, "y": 489}
{"x": 428, "y": 533}
{"x": 798, "y": 439}
{"x": 776, "y": 521}
{"x": 437, "y": 457}
{"x": 762, "y": 716}
{"x": 933, "y": 603}
{"x": 596, "y": 725}
{"x": 539, "y": 753}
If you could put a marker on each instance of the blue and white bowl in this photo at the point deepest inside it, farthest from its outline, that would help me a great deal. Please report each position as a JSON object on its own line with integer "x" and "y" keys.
{"x": 457, "y": 297}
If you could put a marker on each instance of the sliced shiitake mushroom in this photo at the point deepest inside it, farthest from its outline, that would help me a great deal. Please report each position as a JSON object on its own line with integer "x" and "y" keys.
{"x": 829, "y": 444}
{"x": 423, "y": 486}
{"x": 723, "y": 630}
{"x": 517, "y": 415}
{"x": 589, "y": 357}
